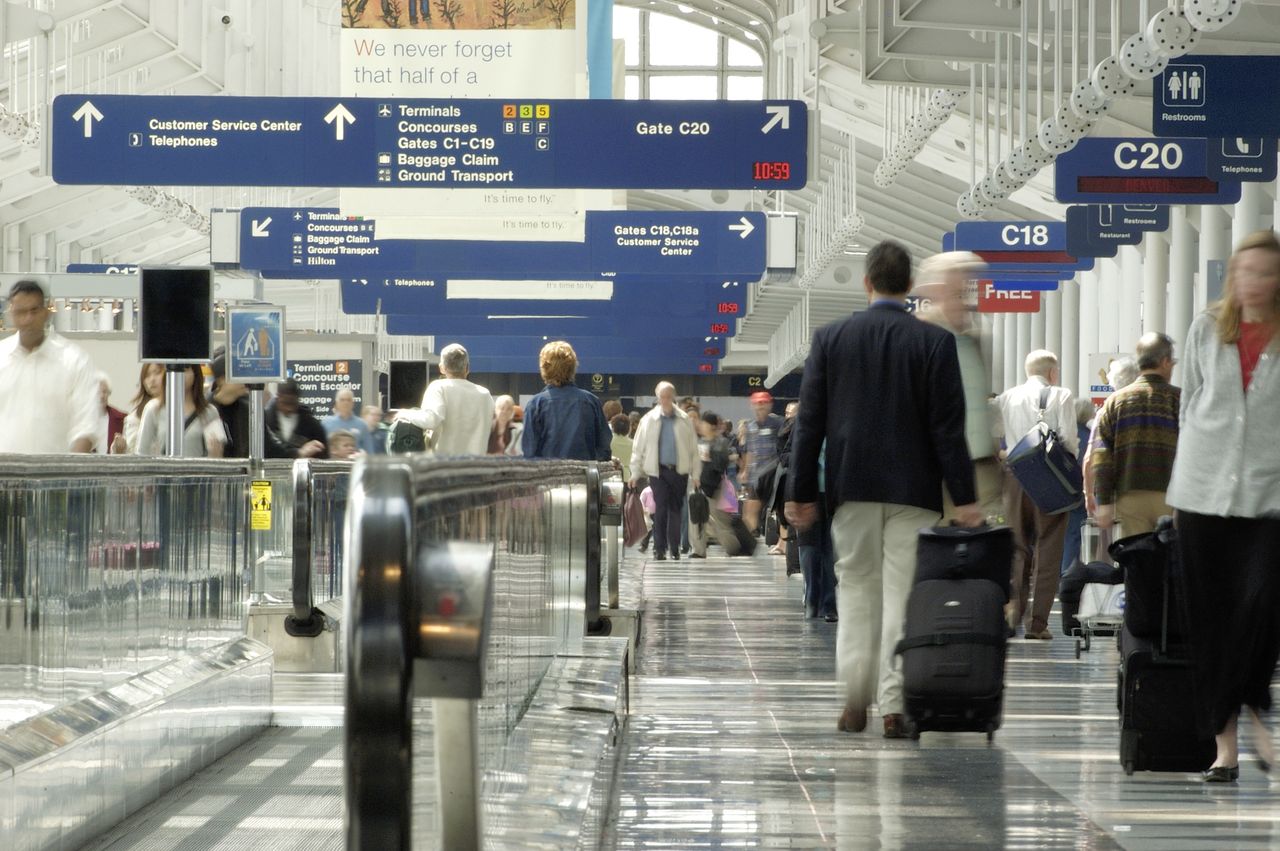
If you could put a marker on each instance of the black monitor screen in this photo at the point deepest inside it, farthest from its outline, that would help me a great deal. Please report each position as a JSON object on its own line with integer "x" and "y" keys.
{"x": 407, "y": 380}
{"x": 175, "y": 313}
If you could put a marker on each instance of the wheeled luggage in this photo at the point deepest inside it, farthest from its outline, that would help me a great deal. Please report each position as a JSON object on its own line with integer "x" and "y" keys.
{"x": 1159, "y": 717}
{"x": 1153, "y": 607}
{"x": 953, "y": 656}
{"x": 1158, "y": 726}
{"x": 1101, "y": 613}
{"x": 954, "y": 552}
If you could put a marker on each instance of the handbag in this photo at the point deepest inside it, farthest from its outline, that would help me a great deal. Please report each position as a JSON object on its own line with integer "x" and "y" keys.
{"x": 633, "y": 525}
{"x": 728, "y": 497}
{"x": 1045, "y": 469}
{"x": 699, "y": 508}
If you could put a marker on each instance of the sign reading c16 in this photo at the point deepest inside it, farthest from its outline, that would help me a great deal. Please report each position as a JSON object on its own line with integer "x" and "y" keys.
{"x": 1102, "y": 170}
{"x": 442, "y": 144}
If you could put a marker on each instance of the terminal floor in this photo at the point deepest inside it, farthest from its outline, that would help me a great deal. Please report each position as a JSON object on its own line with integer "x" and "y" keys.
{"x": 732, "y": 743}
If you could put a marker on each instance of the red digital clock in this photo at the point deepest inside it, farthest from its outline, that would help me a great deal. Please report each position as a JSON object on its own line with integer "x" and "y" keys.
{"x": 719, "y": 327}
{"x": 771, "y": 171}
{"x": 727, "y": 307}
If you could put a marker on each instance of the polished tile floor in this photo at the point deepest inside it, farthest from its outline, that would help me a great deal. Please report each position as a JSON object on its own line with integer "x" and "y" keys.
{"x": 732, "y": 743}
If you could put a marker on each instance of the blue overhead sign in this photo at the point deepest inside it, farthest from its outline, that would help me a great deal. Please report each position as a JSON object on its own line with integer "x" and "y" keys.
{"x": 287, "y": 242}
{"x": 558, "y": 324}
{"x": 1102, "y": 170}
{"x": 651, "y": 364}
{"x": 255, "y": 344}
{"x": 596, "y": 299}
{"x": 101, "y": 269}
{"x": 1217, "y": 97}
{"x": 589, "y": 348}
{"x": 1098, "y": 230}
{"x": 1010, "y": 236}
{"x": 1249, "y": 159}
{"x": 443, "y": 144}
{"x": 1025, "y": 285}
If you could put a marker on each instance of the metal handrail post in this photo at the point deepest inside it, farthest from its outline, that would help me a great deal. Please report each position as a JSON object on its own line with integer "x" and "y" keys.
{"x": 306, "y": 620}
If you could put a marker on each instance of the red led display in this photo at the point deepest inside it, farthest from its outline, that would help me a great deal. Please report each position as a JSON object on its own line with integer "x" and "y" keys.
{"x": 771, "y": 171}
{"x": 1148, "y": 185}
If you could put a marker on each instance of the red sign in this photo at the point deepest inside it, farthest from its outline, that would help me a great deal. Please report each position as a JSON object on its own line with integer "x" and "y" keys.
{"x": 992, "y": 300}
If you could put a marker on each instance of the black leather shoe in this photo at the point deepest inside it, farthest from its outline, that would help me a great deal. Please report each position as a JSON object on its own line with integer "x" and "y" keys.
{"x": 695, "y": 555}
{"x": 1264, "y": 766}
{"x": 675, "y": 556}
{"x": 660, "y": 557}
{"x": 832, "y": 618}
{"x": 1222, "y": 774}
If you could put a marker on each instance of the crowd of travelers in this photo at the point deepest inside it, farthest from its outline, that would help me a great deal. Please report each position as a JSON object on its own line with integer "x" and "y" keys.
{"x": 897, "y": 429}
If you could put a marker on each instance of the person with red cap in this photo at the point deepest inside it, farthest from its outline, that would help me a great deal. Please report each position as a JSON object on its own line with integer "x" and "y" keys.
{"x": 761, "y": 451}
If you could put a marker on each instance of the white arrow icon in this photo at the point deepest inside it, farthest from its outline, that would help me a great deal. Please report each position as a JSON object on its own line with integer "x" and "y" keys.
{"x": 781, "y": 114}
{"x": 744, "y": 229}
{"x": 259, "y": 228}
{"x": 340, "y": 117}
{"x": 88, "y": 113}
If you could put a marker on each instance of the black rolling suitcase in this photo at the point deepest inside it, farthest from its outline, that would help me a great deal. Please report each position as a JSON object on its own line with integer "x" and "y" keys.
{"x": 1160, "y": 728}
{"x": 953, "y": 656}
{"x": 954, "y": 552}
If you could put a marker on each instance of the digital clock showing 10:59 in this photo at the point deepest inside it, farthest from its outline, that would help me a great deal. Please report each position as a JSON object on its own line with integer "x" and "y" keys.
{"x": 771, "y": 171}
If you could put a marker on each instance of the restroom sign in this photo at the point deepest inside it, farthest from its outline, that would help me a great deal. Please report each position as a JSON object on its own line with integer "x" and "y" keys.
{"x": 255, "y": 344}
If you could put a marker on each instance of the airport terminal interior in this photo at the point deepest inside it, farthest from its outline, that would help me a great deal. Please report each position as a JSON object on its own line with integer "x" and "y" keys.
{"x": 367, "y": 636}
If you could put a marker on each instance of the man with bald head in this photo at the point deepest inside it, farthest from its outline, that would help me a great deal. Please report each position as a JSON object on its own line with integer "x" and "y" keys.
{"x": 666, "y": 450}
{"x": 344, "y": 418}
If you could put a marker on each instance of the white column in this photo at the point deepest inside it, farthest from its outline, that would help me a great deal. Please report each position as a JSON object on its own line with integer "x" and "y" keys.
{"x": 992, "y": 348}
{"x": 1182, "y": 273}
{"x": 1012, "y": 365}
{"x": 1215, "y": 233}
{"x": 1024, "y": 336}
{"x": 1088, "y": 324}
{"x": 1247, "y": 215}
{"x": 1107, "y": 308}
{"x": 1129, "y": 324}
{"x": 1039, "y": 331}
{"x": 1070, "y": 354}
{"x": 1155, "y": 281}
{"x": 1051, "y": 308}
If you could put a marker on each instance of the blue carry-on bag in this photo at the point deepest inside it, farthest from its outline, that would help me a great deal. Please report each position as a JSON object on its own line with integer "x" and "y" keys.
{"x": 1047, "y": 471}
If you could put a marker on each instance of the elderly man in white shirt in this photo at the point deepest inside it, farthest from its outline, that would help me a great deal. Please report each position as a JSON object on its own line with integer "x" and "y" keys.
{"x": 458, "y": 413}
{"x": 49, "y": 389}
{"x": 1039, "y": 537}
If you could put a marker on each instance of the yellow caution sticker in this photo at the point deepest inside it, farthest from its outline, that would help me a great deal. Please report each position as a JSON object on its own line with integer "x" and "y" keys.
{"x": 260, "y": 506}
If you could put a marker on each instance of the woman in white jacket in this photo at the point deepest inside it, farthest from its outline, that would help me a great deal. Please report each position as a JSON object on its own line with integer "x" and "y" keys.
{"x": 666, "y": 450}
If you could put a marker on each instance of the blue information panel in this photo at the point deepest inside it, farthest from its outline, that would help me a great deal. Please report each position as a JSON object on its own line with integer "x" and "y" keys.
{"x": 559, "y": 324}
{"x": 612, "y": 348}
{"x": 286, "y": 242}
{"x": 1025, "y": 285}
{"x": 430, "y": 300}
{"x": 1109, "y": 170}
{"x": 1249, "y": 159}
{"x": 471, "y": 144}
{"x": 1011, "y": 236}
{"x": 646, "y": 365}
{"x": 101, "y": 269}
{"x": 1026, "y": 267}
{"x": 255, "y": 344}
{"x": 1217, "y": 97}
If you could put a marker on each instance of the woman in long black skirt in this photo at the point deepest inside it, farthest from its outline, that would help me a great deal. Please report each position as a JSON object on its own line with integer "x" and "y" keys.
{"x": 1226, "y": 489}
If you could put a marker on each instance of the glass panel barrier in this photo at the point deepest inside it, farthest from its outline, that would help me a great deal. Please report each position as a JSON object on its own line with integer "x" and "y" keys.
{"x": 536, "y": 527}
{"x": 110, "y": 567}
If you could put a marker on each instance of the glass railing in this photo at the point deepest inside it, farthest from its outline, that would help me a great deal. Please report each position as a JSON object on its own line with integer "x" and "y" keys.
{"x": 465, "y": 578}
{"x": 113, "y": 566}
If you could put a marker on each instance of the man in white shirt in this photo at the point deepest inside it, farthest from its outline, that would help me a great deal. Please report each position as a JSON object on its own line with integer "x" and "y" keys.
{"x": 459, "y": 414}
{"x": 49, "y": 389}
{"x": 1038, "y": 537}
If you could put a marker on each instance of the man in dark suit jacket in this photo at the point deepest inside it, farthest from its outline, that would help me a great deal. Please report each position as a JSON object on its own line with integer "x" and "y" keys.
{"x": 883, "y": 390}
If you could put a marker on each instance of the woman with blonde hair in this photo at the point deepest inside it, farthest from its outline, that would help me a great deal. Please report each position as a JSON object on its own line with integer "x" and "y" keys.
{"x": 564, "y": 421}
{"x": 1226, "y": 490}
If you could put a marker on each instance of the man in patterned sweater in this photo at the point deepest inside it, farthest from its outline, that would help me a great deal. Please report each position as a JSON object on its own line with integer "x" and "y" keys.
{"x": 1134, "y": 443}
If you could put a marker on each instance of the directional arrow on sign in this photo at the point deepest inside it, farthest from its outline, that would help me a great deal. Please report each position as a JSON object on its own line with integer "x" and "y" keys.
{"x": 340, "y": 117}
{"x": 259, "y": 228}
{"x": 781, "y": 115}
{"x": 745, "y": 227}
{"x": 88, "y": 113}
